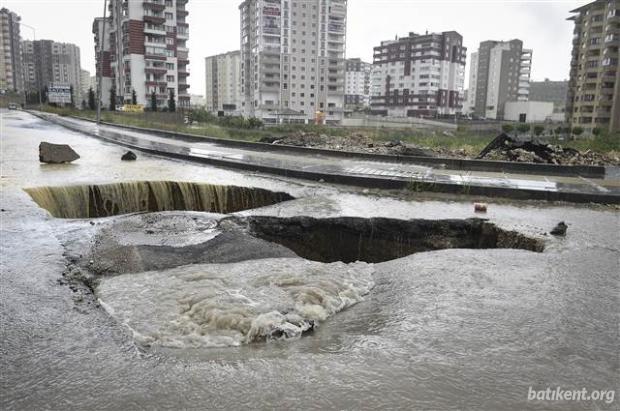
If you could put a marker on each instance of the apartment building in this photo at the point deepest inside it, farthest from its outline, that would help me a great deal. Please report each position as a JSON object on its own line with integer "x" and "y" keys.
{"x": 594, "y": 86}
{"x": 84, "y": 85}
{"x": 499, "y": 72}
{"x": 357, "y": 84}
{"x": 48, "y": 62}
{"x": 293, "y": 60}
{"x": 419, "y": 75}
{"x": 223, "y": 82}
{"x": 103, "y": 67}
{"x": 146, "y": 43}
{"x": 550, "y": 91}
{"x": 11, "y": 76}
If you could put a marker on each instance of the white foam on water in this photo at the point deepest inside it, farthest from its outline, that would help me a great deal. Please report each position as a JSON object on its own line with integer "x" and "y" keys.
{"x": 219, "y": 305}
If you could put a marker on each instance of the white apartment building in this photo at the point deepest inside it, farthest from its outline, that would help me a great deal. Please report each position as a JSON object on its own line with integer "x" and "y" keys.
{"x": 500, "y": 72}
{"x": 223, "y": 83}
{"x": 357, "y": 84}
{"x": 293, "y": 59}
{"x": 84, "y": 84}
{"x": 419, "y": 75}
{"x": 147, "y": 50}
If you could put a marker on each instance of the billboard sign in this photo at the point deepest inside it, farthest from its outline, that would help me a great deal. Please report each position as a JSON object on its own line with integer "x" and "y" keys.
{"x": 59, "y": 93}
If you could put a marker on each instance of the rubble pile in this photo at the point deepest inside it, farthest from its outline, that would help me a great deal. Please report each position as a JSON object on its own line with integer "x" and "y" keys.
{"x": 502, "y": 148}
{"x": 506, "y": 148}
{"x": 355, "y": 142}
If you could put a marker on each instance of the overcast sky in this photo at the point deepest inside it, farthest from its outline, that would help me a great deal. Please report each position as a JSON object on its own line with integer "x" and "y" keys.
{"x": 214, "y": 27}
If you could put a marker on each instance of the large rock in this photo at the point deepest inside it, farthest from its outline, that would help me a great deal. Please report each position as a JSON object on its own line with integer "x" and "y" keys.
{"x": 129, "y": 156}
{"x": 56, "y": 153}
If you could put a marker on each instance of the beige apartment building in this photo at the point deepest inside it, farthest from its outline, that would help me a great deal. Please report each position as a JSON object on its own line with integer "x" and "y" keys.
{"x": 11, "y": 76}
{"x": 223, "y": 83}
{"x": 594, "y": 87}
{"x": 293, "y": 59}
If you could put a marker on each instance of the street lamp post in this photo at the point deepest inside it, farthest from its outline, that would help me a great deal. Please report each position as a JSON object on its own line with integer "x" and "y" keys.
{"x": 100, "y": 74}
{"x": 34, "y": 37}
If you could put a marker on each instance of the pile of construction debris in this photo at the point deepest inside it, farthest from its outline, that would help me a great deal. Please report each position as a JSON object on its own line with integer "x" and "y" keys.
{"x": 355, "y": 142}
{"x": 506, "y": 148}
{"x": 502, "y": 148}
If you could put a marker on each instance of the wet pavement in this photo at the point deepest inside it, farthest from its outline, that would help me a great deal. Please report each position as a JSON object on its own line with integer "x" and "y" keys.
{"x": 450, "y": 329}
{"x": 373, "y": 173}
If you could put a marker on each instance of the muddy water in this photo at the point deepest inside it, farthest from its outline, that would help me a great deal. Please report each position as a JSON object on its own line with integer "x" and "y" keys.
{"x": 451, "y": 329}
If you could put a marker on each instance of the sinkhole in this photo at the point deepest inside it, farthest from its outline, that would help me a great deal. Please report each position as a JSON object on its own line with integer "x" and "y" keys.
{"x": 376, "y": 240}
{"x": 104, "y": 200}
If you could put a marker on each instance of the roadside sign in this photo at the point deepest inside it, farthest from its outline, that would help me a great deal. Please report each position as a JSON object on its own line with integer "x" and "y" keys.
{"x": 133, "y": 108}
{"x": 59, "y": 93}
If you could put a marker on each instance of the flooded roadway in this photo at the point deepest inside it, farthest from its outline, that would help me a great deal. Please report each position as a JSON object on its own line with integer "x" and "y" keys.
{"x": 451, "y": 329}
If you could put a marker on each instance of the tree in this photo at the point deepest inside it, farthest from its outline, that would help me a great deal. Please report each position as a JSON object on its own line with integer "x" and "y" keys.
{"x": 83, "y": 104}
{"x": 507, "y": 128}
{"x": 523, "y": 128}
{"x": 596, "y": 131}
{"x": 134, "y": 98}
{"x": 538, "y": 130}
{"x": 172, "y": 105}
{"x": 577, "y": 131}
{"x": 71, "y": 91}
{"x": 91, "y": 99}
{"x": 44, "y": 95}
{"x": 113, "y": 98}
{"x": 153, "y": 101}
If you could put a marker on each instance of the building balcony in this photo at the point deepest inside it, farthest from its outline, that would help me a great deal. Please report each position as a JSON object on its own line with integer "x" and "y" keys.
{"x": 155, "y": 70}
{"x": 156, "y": 83}
{"x": 155, "y": 5}
{"x": 157, "y": 57}
{"x": 182, "y": 34}
{"x": 158, "y": 20}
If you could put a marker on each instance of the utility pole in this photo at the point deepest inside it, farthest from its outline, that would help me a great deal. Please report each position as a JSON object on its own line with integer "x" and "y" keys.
{"x": 100, "y": 74}
{"x": 34, "y": 56}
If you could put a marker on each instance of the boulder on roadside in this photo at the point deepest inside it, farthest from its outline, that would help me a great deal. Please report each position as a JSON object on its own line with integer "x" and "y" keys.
{"x": 129, "y": 156}
{"x": 56, "y": 153}
{"x": 560, "y": 229}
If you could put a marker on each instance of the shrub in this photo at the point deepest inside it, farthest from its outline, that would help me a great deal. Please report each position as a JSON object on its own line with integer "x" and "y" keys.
{"x": 523, "y": 128}
{"x": 538, "y": 130}
{"x": 577, "y": 131}
{"x": 508, "y": 128}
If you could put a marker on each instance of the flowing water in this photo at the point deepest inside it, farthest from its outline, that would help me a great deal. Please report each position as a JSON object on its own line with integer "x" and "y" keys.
{"x": 447, "y": 329}
{"x": 202, "y": 306}
{"x": 92, "y": 201}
